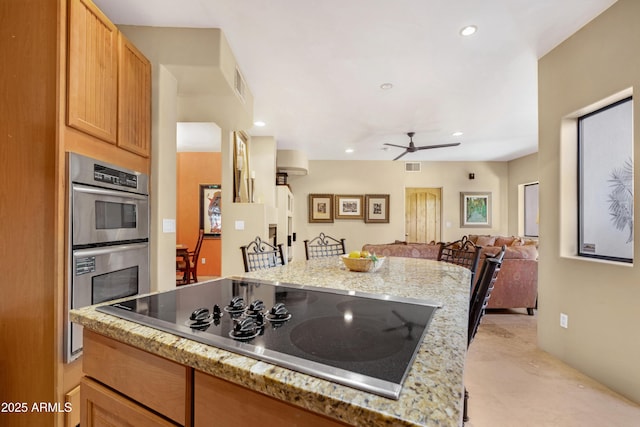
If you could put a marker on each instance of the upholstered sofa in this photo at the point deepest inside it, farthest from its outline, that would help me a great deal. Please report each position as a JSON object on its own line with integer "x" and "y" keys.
{"x": 517, "y": 284}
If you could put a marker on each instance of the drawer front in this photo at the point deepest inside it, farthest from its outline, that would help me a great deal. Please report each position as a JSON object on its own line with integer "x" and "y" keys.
{"x": 156, "y": 383}
{"x": 222, "y": 401}
{"x": 102, "y": 407}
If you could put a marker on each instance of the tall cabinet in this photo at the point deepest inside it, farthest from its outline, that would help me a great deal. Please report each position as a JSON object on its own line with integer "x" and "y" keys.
{"x": 285, "y": 230}
{"x": 60, "y": 93}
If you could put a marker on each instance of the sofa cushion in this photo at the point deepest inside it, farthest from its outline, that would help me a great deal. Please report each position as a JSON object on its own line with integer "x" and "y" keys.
{"x": 504, "y": 241}
{"x": 486, "y": 241}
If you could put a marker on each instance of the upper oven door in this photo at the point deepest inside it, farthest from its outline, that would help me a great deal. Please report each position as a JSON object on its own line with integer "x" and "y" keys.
{"x": 101, "y": 215}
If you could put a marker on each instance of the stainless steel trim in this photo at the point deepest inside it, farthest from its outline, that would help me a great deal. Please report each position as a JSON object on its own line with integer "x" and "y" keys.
{"x": 108, "y": 192}
{"x": 105, "y": 250}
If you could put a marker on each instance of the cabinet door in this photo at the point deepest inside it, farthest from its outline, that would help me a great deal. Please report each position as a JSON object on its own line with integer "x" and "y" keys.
{"x": 134, "y": 99}
{"x": 101, "y": 406}
{"x": 92, "y": 80}
{"x": 150, "y": 380}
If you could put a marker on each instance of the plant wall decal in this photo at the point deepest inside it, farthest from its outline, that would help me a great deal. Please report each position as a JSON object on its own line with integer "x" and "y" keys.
{"x": 621, "y": 198}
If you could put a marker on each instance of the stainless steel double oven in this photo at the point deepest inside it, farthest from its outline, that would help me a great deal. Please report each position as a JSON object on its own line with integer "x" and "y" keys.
{"x": 108, "y": 223}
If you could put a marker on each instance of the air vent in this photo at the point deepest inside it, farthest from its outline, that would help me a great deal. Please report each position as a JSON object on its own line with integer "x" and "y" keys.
{"x": 240, "y": 85}
{"x": 412, "y": 166}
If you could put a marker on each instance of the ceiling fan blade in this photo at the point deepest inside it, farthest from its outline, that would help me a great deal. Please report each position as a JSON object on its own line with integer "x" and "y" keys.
{"x": 426, "y": 147}
{"x": 401, "y": 155}
{"x": 394, "y": 145}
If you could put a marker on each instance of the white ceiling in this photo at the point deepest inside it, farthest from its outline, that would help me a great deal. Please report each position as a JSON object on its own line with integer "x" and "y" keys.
{"x": 315, "y": 69}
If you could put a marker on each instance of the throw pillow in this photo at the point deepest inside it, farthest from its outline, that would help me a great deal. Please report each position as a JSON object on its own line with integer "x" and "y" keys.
{"x": 486, "y": 241}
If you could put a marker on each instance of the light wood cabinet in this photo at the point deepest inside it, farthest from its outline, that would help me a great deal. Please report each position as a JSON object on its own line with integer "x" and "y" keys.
{"x": 102, "y": 406}
{"x": 134, "y": 99}
{"x": 109, "y": 81}
{"x": 92, "y": 80}
{"x": 154, "y": 382}
{"x": 72, "y": 418}
{"x": 219, "y": 402}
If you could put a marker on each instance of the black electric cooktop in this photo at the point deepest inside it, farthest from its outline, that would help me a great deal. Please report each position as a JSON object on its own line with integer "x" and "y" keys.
{"x": 360, "y": 340}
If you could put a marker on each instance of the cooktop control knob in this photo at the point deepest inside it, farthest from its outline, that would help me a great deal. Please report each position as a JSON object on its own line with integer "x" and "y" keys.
{"x": 200, "y": 314}
{"x": 256, "y": 307}
{"x": 245, "y": 328}
{"x": 279, "y": 311}
{"x": 236, "y": 304}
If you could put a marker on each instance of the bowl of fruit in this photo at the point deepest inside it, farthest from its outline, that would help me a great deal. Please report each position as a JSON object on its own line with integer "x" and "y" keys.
{"x": 362, "y": 261}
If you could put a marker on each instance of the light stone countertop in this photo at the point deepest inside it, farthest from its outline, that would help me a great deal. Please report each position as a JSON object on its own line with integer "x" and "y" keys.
{"x": 432, "y": 392}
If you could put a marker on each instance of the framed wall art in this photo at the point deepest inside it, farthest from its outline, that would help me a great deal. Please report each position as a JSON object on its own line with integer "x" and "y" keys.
{"x": 475, "y": 209}
{"x": 320, "y": 207}
{"x": 605, "y": 183}
{"x": 376, "y": 208}
{"x": 240, "y": 168}
{"x": 211, "y": 210}
{"x": 349, "y": 207}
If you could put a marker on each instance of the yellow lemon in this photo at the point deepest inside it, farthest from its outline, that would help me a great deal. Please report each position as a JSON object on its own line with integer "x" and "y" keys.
{"x": 364, "y": 254}
{"x": 354, "y": 254}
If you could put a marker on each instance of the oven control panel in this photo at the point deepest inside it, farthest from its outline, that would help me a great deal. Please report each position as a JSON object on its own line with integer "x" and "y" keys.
{"x": 116, "y": 177}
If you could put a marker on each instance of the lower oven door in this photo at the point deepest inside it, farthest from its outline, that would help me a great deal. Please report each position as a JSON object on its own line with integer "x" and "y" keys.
{"x": 104, "y": 274}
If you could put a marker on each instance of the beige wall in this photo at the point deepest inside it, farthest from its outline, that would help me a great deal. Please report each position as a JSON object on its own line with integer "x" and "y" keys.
{"x": 192, "y": 75}
{"x": 385, "y": 177}
{"x": 601, "y": 299}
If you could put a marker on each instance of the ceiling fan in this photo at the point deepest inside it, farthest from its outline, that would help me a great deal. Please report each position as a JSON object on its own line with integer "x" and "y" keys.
{"x": 412, "y": 147}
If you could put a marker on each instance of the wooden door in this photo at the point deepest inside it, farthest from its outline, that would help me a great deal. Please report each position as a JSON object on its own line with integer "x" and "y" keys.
{"x": 134, "y": 99}
{"x": 92, "y": 87}
{"x": 423, "y": 207}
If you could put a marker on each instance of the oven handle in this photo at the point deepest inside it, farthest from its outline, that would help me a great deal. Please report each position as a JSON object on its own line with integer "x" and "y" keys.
{"x": 78, "y": 188}
{"x": 105, "y": 250}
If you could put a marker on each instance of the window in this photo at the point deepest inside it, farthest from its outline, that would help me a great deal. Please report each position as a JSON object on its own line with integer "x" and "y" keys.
{"x": 531, "y": 215}
{"x": 605, "y": 183}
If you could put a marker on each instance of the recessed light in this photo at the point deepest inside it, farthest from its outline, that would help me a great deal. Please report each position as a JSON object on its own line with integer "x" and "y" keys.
{"x": 458, "y": 133}
{"x": 386, "y": 86}
{"x": 349, "y": 150}
{"x": 259, "y": 123}
{"x": 468, "y": 30}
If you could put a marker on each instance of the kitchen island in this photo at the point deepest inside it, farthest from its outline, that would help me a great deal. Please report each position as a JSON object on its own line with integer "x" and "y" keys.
{"x": 433, "y": 389}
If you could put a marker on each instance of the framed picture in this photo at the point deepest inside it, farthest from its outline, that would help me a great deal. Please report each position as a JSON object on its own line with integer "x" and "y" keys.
{"x": 240, "y": 168}
{"x": 605, "y": 183}
{"x": 211, "y": 210}
{"x": 320, "y": 207}
{"x": 349, "y": 207}
{"x": 475, "y": 209}
{"x": 376, "y": 208}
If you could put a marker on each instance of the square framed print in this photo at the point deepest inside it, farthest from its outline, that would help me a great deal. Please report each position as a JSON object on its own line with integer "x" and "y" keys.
{"x": 475, "y": 209}
{"x": 210, "y": 210}
{"x": 349, "y": 207}
{"x": 376, "y": 208}
{"x": 320, "y": 207}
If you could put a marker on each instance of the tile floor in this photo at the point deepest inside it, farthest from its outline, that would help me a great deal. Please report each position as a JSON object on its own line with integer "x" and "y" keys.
{"x": 513, "y": 383}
